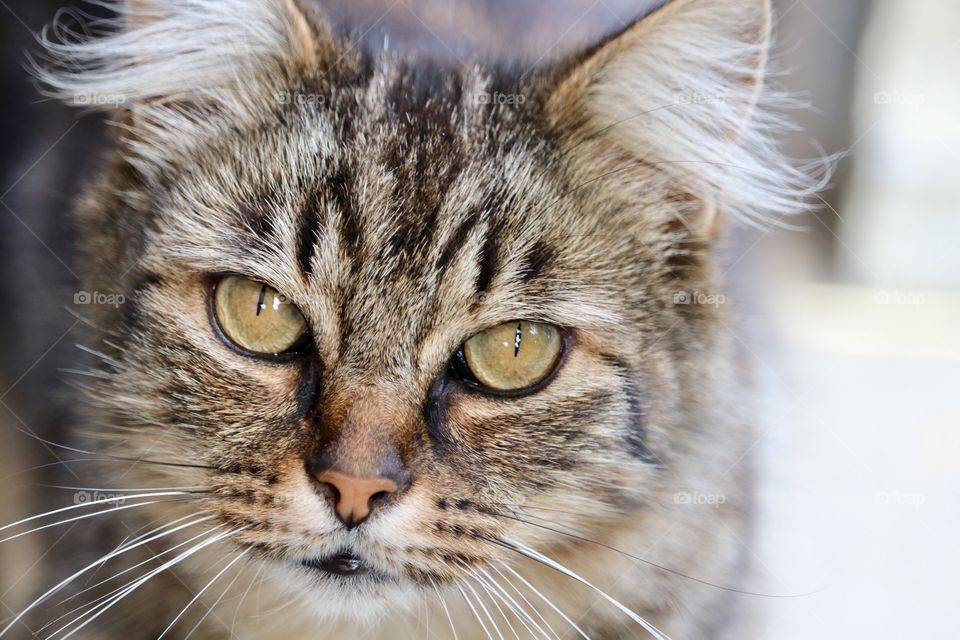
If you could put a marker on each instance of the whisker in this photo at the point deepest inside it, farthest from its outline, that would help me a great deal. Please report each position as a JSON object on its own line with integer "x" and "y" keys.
{"x": 71, "y": 578}
{"x": 483, "y": 607}
{"x": 494, "y": 590}
{"x": 106, "y": 456}
{"x": 548, "y": 601}
{"x": 93, "y": 373}
{"x": 201, "y": 592}
{"x": 529, "y": 604}
{"x": 140, "y": 533}
{"x": 99, "y": 354}
{"x": 90, "y": 323}
{"x": 499, "y": 609}
{"x": 115, "y": 490}
{"x": 474, "y": 610}
{"x": 516, "y": 506}
{"x": 443, "y": 603}
{"x": 96, "y": 569}
{"x": 152, "y": 558}
{"x": 90, "y": 504}
{"x": 643, "y": 560}
{"x": 73, "y": 460}
{"x": 214, "y": 606}
{"x": 516, "y": 606}
{"x": 103, "y": 608}
{"x": 539, "y": 557}
{"x": 83, "y": 517}
{"x": 236, "y": 611}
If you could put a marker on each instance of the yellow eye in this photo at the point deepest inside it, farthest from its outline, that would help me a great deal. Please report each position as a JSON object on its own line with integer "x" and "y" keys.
{"x": 514, "y": 355}
{"x": 255, "y": 317}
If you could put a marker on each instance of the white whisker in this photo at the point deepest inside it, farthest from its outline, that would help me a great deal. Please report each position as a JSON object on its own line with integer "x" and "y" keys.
{"x": 83, "y": 517}
{"x": 214, "y": 606}
{"x": 103, "y": 608}
{"x": 236, "y": 612}
{"x": 515, "y": 606}
{"x": 474, "y": 610}
{"x": 548, "y": 601}
{"x": 535, "y": 555}
{"x": 115, "y": 490}
{"x": 443, "y": 604}
{"x": 483, "y": 607}
{"x": 200, "y": 593}
{"x": 89, "y": 606}
{"x": 497, "y": 599}
{"x": 129, "y": 569}
{"x": 92, "y": 373}
{"x": 529, "y": 604}
{"x": 111, "y": 361}
{"x": 73, "y": 577}
{"x": 92, "y": 503}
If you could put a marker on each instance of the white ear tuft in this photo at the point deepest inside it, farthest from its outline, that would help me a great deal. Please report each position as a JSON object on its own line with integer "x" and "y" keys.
{"x": 684, "y": 90}
{"x": 172, "y": 49}
{"x": 172, "y": 64}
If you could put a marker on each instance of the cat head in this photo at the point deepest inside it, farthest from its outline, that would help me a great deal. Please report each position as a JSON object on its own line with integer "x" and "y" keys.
{"x": 388, "y": 313}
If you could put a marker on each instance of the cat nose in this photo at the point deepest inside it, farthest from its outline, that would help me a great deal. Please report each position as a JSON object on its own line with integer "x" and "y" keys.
{"x": 357, "y": 460}
{"x": 352, "y": 497}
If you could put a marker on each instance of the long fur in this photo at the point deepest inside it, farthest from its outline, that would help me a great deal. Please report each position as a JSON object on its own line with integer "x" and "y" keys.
{"x": 694, "y": 96}
{"x": 403, "y": 208}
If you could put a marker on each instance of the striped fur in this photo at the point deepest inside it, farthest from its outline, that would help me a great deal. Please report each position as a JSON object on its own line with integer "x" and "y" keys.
{"x": 405, "y": 205}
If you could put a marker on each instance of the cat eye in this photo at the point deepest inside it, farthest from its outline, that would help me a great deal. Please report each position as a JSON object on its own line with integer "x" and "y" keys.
{"x": 511, "y": 357}
{"x": 257, "y": 319}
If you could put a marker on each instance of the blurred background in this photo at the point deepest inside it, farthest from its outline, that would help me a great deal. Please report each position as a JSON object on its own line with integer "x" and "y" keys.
{"x": 852, "y": 320}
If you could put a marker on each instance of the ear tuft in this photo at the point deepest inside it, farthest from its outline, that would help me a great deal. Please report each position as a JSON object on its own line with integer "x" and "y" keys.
{"x": 312, "y": 42}
{"x": 684, "y": 90}
{"x": 176, "y": 70}
{"x": 158, "y": 49}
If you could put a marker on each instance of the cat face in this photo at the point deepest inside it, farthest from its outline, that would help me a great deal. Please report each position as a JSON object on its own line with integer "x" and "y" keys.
{"x": 397, "y": 221}
{"x": 398, "y": 238}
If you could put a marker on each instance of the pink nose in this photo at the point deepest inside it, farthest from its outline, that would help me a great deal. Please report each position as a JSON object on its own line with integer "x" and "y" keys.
{"x": 353, "y": 497}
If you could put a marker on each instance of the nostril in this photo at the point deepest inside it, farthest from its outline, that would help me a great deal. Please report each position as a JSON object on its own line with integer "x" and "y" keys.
{"x": 330, "y": 492}
{"x": 352, "y": 497}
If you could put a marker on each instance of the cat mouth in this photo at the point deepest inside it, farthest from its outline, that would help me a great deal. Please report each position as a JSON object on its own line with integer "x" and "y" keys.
{"x": 340, "y": 564}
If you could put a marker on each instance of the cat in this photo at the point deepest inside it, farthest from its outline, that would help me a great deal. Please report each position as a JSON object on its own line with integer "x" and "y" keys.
{"x": 394, "y": 347}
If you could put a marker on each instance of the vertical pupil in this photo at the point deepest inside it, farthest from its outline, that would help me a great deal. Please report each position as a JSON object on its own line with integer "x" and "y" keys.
{"x": 263, "y": 294}
{"x": 517, "y": 338}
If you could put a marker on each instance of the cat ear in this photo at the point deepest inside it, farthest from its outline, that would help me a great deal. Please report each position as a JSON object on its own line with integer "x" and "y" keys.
{"x": 305, "y": 33}
{"x": 681, "y": 92}
{"x": 160, "y": 49}
{"x": 175, "y": 70}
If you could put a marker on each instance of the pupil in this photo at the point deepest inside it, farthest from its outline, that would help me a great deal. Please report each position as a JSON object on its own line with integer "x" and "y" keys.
{"x": 263, "y": 294}
{"x": 517, "y": 338}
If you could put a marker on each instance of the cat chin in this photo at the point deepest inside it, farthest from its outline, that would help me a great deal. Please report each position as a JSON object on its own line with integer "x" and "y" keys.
{"x": 362, "y": 600}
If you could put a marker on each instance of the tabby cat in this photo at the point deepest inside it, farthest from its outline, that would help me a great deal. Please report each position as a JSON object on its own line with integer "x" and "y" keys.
{"x": 400, "y": 348}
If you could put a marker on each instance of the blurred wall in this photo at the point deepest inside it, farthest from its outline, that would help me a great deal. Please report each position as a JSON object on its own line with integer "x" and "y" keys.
{"x": 816, "y": 41}
{"x": 902, "y": 210}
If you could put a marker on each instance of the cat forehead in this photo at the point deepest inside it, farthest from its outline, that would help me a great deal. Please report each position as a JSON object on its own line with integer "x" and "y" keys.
{"x": 393, "y": 229}
{"x": 393, "y": 162}
{"x": 418, "y": 127}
